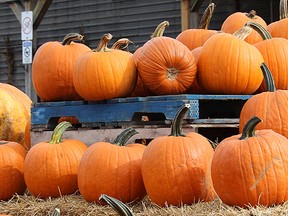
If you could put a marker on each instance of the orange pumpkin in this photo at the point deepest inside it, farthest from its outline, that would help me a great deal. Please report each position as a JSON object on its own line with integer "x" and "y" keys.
{"x": 104, "y": 73}
{"x": 250, "y": 169}
{"x": 274, "y": 52}
{"x": 229, "y": 65}
{"x": 270, "y": 106}
{"x": 51, "y": 168}
{"x": 112, "y": 168}
{"x": 12, "y": 156}
{"x": 194, "y": 38}
{"x": 15, "y": 114}
{"x": 237, "y": 20}
{"x": 176, "y": 168}
{"x": 52, "y": 68}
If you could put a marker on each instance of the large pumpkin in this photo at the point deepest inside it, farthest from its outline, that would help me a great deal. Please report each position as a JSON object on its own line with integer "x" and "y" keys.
{"x": 105, "y": 73}
{"x": 229, "y": 65}
{"x": 270, "y": 106}
{"x": 51, "y": 168}
{"x": 275, "y": 52}
{"x": 176, "y": 168}
{"x": 12, "y": 156}
{"x": 52, "y": 68}
{"x": 194, "y": 38}
{"x": 112, "y": 168}
{"x": 250, "y": 169}
{"x": 237, "y": 20}
{"x": 15, "y": 114}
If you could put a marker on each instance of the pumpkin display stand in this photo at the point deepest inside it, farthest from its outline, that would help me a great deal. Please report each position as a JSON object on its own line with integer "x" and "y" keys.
{"x": 210, "y": 115}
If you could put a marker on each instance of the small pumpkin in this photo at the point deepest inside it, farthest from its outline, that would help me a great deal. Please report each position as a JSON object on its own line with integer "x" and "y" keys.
{"x": 112, "y": 168}
{"x": 250, "y": 169}
{"x": 52, "y": 68}
{"x": 229, "y": 65}
{"x": 193, "y": 38}
{"x": 176, "y": 168}
{"x": 104, "y": 73}
{"x": 51, "y": 168}
{"x": 12, "y": 156}
{"x": 237, "y": 20}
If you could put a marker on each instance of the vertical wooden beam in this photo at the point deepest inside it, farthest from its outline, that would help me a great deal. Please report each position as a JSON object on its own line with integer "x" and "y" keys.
{"x": 185, "y": 14}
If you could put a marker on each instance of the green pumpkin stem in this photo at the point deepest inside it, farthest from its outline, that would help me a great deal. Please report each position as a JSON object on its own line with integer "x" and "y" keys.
{"x": 263, "y": 32}
{"x": 159, "y": 31}
{"x": 206, "y": 17}
{"x": 103, "y": 44}
{"x": 121, "y": 44}
{"x": 58, "y": 132}
{"x": 120, "y": 207}
{"x": 268, "y": 78}
{"x": 124, "y": 136}
{"x": 176, "y": 127}
{"x": 243, "y": 32}
{"x": 72, "y": 37}
{"x": 283, "y": 9}
{"x": 3, "y": 142}
{"x": 249, "y": 128}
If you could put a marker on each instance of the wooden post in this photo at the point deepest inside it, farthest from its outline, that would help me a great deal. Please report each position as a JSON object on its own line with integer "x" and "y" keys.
{"x": 185, "y": 14}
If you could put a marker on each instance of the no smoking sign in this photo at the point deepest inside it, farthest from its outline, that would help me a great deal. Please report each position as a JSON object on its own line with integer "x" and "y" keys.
{"x": 27, "y": 25}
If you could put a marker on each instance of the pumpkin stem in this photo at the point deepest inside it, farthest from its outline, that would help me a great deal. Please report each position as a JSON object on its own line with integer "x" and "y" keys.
{"x": 251, "y": 14}
{"x": 72, "y": 37}
{"x": 206, "y": 17}
{"x": 249, "y": 128}
{"x": 103, "y": 45}
{"x": 264, "y": 33}
{"x": 3, "y": 142}
{"x": 176, "y": 127}
{"x": 269, "y": 81}
{"x": 123, "y": 137}
{"x": 283, "y": 9}
{"x": 243, "y": 32}
{"x": 58, "y": 132}
{"x": 159, "y": 31}
{"x": 119, "y": 206}
{"x": 121, "y": 44}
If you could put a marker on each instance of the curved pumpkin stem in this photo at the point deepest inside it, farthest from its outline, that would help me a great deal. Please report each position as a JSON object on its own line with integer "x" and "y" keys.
{"x": 283, "y": 9}
{"x": 72, "y": 37}
{"x": 119, "y": 206}
{"x": 176, "y": 128}
{"x": 264, "y": 33}
{"x": 121, "y": 44}
{"x": 206, "y": 17}
{"x": 269, "y": 81}
{"x": 124, "y": 136}
{"x": 3, "y": 142}
{"x": 159, "y": 31}
{"x": 58, "y": 132}
{"x": 103, "y": 45}
{"x": 249, "y": 128}
{"x": 243, "y": 32}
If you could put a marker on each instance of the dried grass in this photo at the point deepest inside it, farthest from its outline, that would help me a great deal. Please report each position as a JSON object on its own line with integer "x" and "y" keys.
{"x": 75, "y": 205}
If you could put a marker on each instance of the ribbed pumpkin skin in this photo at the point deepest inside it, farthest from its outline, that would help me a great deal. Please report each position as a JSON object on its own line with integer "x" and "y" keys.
{"x": 161, "y": 54}
{"x": 237, "y": 20}
{"x": 52, "y": 70}
{"x": 105, "y": 75}
{"x": 228, "y": 65}
{"x": 50, "y": 170}
{"x": 279, "y": 28}
{"x": 251, "y": 171}
{"x": 176, "y": 170}
{"x": 275, "y": 53}
{"x": 193, "y": 38}
{"x": 12, "y": 157}
{"x": 113, "y": 170}
{"x": 271, "y": 107}
{"x": 15, "y": 114}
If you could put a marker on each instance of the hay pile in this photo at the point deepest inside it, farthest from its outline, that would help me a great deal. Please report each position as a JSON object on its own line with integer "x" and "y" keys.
{"x": 75, "y": 205}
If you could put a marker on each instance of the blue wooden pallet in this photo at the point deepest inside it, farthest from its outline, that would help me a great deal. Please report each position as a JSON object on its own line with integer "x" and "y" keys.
{"x": 123, "y": 109}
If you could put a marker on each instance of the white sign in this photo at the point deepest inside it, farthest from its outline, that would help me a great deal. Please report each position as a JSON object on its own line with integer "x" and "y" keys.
{"x": 27, "y": 52}
{"x": 27, "y": 25}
